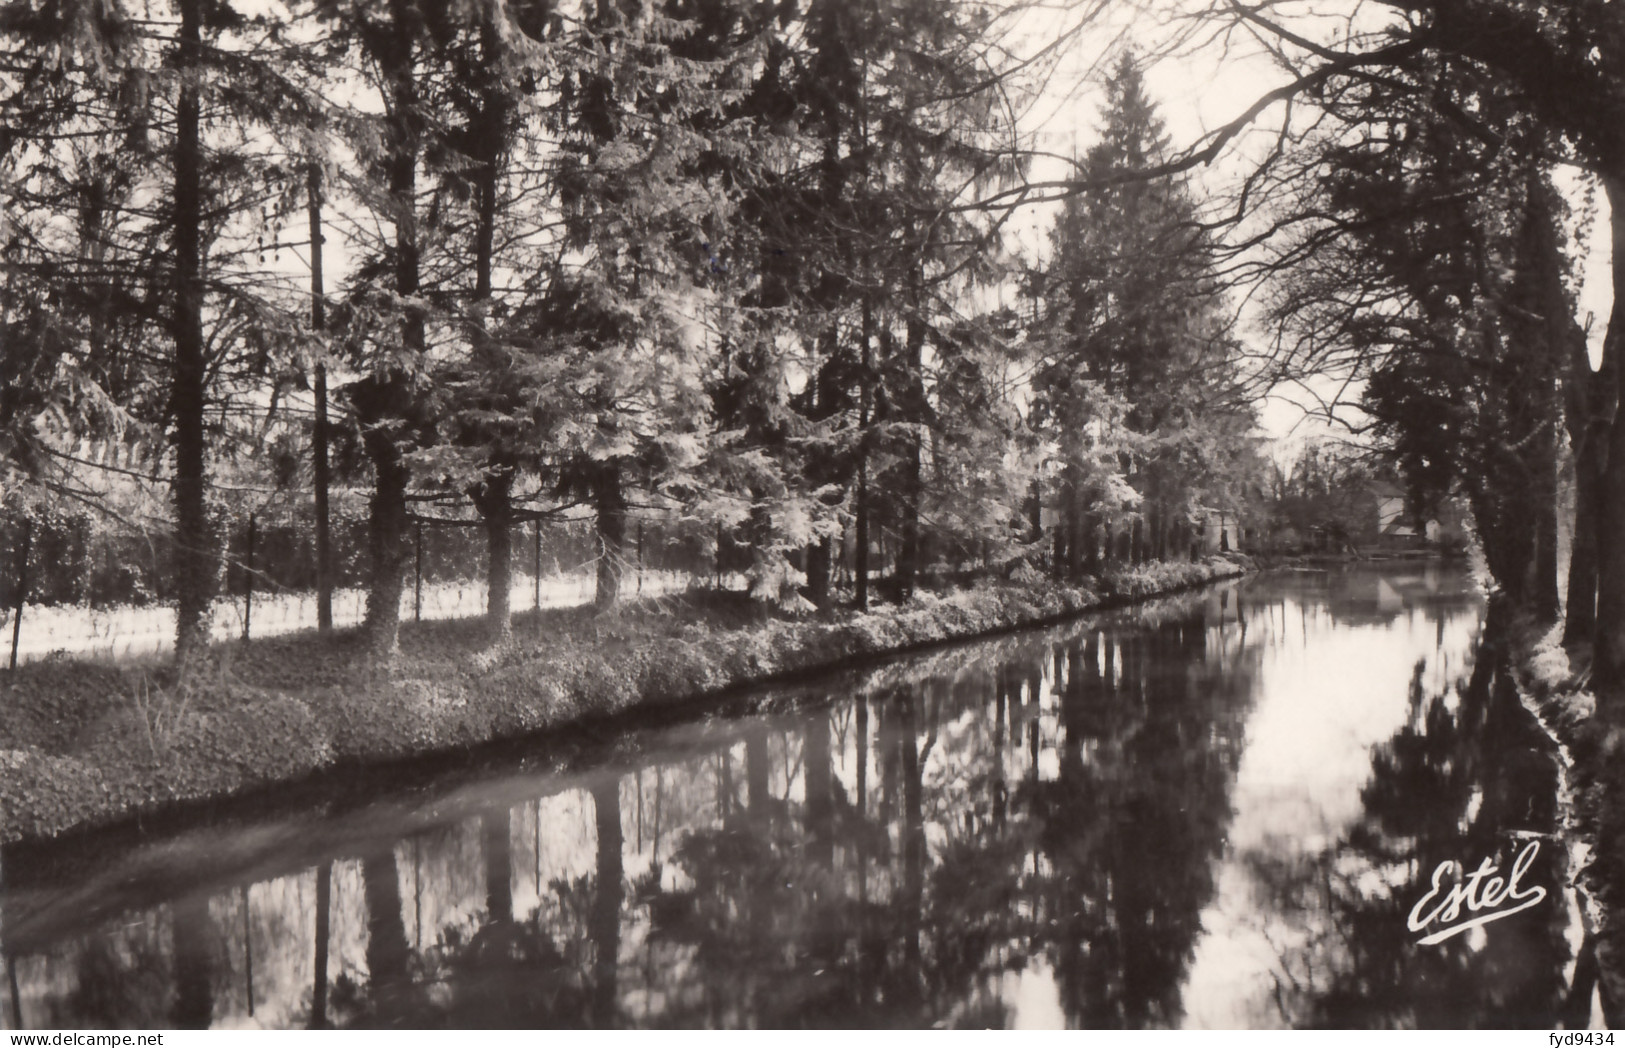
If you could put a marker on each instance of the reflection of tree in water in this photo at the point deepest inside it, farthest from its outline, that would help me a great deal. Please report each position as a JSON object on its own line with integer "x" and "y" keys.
{"x": 324, "y": 934}
{"x": 1468, "y": 777}
{"x": 889, "y": 861}
{"x": 763, "y": 923}
{"x": 140, "y": 982}
{"x": 137, "y": 980}
{"x": 604, "y": 924}
{"x": 981, "y": 919}
{"x": 1134, "y": 821}
{"x": 507, "y": 973}
{"x": 905, "y": 907}
{"x": 390, "y": 997}
{"x": 194, "y": 990}
{"x": 119, "y": 986}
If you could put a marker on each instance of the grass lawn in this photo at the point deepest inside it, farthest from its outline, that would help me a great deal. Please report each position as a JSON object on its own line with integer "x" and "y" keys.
{"x": 85, "y": 742}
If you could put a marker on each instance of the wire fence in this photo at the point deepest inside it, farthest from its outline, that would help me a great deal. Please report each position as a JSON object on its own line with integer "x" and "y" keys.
{"x": 128, "y": 632}
{"x": 88, "y": 592}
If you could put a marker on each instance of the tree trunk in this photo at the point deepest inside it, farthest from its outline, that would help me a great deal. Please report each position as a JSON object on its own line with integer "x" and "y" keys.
{"x": 1061, "y": 532}
{"x": 488, "y": 146}
{"x": 860, "y": 540}
{"x": 1507, "y": 536}
{"x": 860, "y": 552}
{"x": 1072, "y": 554}
{"x": 1542, "y": 283}
{"x": 1589, "y": 407}
{"x": 21, "y": 600}
{"x": 319, "y": 435}
{"x": 1580, "y": 614}
{"x": 610, "y": 500}
{"x": 196, "y": 564}
{"x": 819, "y": 555}
{"x": 386, "y": 542}
{"x": 1035, "y": 511}
{"x": 914, "y": 411}
{"x": 248, "y": 578}
{"x": 388, "y": 391}
{"x": 1547, "y": 603}
{"x": 494, "y": 500}
{"x": 1608, "y": 665}
{"x": 908, "y": 540}
{"x": 499, "y": 547}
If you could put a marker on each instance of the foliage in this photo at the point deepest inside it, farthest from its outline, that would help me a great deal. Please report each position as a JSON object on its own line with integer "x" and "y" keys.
{"x": 1137, "y": 397}
{"x": 708, "y": 268}
{"x": 1324, "y": 495}
{"x": 1437, "y": 267}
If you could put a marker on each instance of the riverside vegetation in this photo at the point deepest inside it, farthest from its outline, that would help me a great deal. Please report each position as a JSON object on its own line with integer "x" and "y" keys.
{"x": 1556, "y": 682}
{"x": 87, "y": 743}
{"x": 723, "y": 267}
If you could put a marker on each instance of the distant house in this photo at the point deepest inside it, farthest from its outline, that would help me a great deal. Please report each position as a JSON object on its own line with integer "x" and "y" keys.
{"x": 1393, "y": 521}
{"x": 1397, "y": 526}
{"x": 1448, "y": 525}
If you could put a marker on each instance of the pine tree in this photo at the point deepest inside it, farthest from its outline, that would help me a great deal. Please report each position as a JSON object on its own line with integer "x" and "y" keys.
{"x": 495, "y": 62}
{"x": 637, "y": 188}
{"x": 859, "y": 251}
{"x": 138, "y": 134}
{"x": 386, "y": 329}
{"x": 1136, "y": 359}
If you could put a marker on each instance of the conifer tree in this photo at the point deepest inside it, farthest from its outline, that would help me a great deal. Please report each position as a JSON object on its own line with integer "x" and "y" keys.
{"x": 1135, "y": 350}
{"x": 136, "y": 129}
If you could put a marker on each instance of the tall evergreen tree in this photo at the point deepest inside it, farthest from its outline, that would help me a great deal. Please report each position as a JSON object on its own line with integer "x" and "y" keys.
{"x": 859, "y": 249}
{"x": 492, "y": 97}
{"x": 1137, "y": 364}
{"x": 387, "y": 320}
{"x": 138, "y": 133}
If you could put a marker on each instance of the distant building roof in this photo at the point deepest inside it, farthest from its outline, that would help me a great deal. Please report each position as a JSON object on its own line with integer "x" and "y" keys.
{"x": 1384, "y": 490}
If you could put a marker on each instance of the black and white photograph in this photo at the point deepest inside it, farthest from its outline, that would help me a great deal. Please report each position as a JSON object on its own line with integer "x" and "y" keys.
{"x": 602, "y": 515}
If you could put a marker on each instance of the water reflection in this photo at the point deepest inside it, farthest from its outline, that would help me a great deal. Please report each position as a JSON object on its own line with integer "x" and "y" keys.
{"x": 1348, "y": 959}
{"x": 1215, "y": 812}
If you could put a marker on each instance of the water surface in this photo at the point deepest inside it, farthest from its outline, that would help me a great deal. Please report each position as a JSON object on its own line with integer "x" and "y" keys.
{"x": 1214, "y": 811}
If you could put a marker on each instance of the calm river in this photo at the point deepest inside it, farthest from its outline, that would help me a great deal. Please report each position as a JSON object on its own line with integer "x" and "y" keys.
{"x": 1217, "y": 810}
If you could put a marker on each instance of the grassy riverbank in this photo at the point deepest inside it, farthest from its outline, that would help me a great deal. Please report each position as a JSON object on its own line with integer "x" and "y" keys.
{"x": 84, "y": 744}
{"x": 1555, "y": 682}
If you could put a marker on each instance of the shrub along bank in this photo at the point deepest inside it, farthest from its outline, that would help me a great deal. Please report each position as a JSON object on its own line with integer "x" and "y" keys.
{"x": 1555, "y": 682}
{"x": 83, "y": 744}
